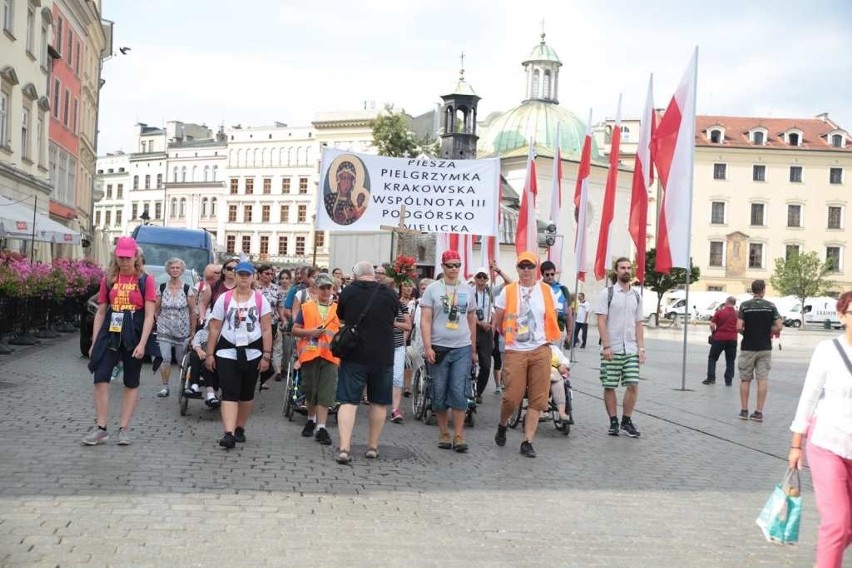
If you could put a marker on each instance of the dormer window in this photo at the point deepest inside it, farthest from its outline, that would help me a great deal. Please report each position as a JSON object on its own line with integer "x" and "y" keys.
{"x": 758, "y": 137}
{"x": 716, "y": 136}
{"x": 793, "y": 138}
{"x": 837, "y": 141}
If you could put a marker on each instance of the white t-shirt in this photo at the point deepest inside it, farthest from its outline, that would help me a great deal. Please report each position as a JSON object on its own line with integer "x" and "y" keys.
{"x": 241, "y": 325}
{"x": 583, "y": 309}
{"x": 532, "y": 308}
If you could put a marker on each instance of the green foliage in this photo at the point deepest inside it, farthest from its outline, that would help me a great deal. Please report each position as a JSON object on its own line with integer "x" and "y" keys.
{"x": 802, "y": 275}
{"x": 662, "y": 283}
{"x": 392, "y": 136}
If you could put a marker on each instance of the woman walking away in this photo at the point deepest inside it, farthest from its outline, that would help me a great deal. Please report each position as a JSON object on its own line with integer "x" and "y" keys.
{"x": 824, "y": 416}
{"x": 241, "y": 331}
{"x": 123, "y": 323}
{"x": 175, "y": 322}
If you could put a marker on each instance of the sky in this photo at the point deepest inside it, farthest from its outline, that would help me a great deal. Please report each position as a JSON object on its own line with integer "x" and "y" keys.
{"x": 255, "y": 62}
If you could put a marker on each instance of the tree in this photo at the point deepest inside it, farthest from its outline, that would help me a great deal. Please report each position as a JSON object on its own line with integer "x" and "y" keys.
{"x": 803, "y": 275}
{"x": 662, "y": 283}
{"x": 392, "y": 136}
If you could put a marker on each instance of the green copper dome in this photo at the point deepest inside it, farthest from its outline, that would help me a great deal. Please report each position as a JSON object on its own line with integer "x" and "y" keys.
{"x": 543, "y": 52}
{"x": 536, "y": 122}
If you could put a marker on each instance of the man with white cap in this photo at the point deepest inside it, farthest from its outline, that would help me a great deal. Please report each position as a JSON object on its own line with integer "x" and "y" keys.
{"x": 483, "y": 302}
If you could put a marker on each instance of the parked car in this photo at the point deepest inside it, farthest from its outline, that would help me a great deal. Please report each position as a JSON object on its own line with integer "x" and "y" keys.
{"x": 87, "y": 320}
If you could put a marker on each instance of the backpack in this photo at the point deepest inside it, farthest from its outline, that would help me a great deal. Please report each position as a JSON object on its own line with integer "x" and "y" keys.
{"x": 611, "y": 291}
{"x": 258, "y": 301}
{"x": 185, "y": 289}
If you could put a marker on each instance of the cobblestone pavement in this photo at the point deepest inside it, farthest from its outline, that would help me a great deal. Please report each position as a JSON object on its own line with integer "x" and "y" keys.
{"x": 685, "y": 494}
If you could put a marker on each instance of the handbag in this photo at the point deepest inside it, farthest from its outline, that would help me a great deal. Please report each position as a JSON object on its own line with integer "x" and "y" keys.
{"x": 347, "y": 340}
{"x": 710, "y": 339}
{"x": 779, "y": 520}
{"x": 843, "y": 354}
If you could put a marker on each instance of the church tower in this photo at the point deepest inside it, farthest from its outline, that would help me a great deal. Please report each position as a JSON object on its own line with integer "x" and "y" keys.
{"x": 458, "y": 121}
{"x": 542, "y": 67}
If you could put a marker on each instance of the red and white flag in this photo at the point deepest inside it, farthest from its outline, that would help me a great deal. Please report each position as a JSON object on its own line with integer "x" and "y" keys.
{"x": 581, "y": 202}
{"x": 489, "y": 244}
{"x": 442, "y": 243}
{"x": 526, "y": 236}
{"x": 643, "y": 177}
{"x": 463, "y": 244}
{"x": 608, "y": 212}
{"x": 675, "y": 150}
{"x": 554, "y": 252}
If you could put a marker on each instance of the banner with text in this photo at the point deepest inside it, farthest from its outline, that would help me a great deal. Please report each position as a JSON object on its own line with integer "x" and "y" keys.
{"x": 361, "y": 192}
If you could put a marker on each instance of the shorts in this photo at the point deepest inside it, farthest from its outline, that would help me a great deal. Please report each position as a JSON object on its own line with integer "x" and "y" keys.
{"x": 451, "y": 379}
{"x": 754, "y": 365}
{"x": 398, "y": 366}
{"x": 319, "y": 382}
{"x": 132, "y": 367}
{"x": 352, "y": 377}
{"x": 527, "y": 373}
{"x": 623, "y": 368}
{"x": 237, "y": 379}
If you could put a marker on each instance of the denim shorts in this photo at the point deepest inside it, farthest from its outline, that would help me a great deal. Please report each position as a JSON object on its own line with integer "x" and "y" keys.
{"x": 351, "y": 378}
{"x": 451, "y": 380}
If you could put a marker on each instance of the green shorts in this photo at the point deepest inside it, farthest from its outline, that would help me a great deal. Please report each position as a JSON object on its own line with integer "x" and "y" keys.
{"x": 319, "y": 382}
{"x": 623, "y": 369}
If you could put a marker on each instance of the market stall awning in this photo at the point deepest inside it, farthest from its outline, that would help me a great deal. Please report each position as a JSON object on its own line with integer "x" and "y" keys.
{"x": 16, "y": 222}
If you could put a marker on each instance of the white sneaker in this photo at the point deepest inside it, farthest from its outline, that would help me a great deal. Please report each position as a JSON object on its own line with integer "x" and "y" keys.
{"x": 164, "y": 392}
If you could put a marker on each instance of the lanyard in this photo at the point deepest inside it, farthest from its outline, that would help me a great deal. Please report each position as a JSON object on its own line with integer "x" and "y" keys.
{"x": 451, "y": 301}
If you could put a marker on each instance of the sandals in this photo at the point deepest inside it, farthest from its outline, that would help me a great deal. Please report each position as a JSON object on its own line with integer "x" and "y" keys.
{"x": 372, "y": 453}
{"x": 343, "y": 457}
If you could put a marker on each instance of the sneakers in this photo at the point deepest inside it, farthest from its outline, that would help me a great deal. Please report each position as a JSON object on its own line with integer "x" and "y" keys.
{"x": 123, "y": 437}
{"x": 630, "y": 429}
{"x": 500, "y": 436}
{"x": 459, "y": 444}
{"x": 396, "y": 416}
{"x": 757, "y": 416}
{"x": 708, "y": 382}
{"x": 498, "y": 390}
{"x": 322, "y": 436}
{"x": 444, "y": 442}
{"x": 240, "y": 435}
{"x": 95, "y": 437}
{"x": 308, "y": 430}
{"x": 164, "y": 392}
{"x": 613, "y": 427}
{"x": 743, "y": 415}
{"x": 228, "y": 441}
{"x": 527, "y": 449}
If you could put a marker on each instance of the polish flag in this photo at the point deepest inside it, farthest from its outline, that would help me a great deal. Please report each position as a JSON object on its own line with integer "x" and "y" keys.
{"x": 643, "y": 177}
{"x": 675, "y": 150}
{"x": 526, "y": 236}
{"x": 554, "y": 252}
{"x": 442, "y": 243}
{"x": 581, "y": 202}
{"x": 462, "y": 244}
{"x": 490, "y": 244}
{"x": 608, "y": 212}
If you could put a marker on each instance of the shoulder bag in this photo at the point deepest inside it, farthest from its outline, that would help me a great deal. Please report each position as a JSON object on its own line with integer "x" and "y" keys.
{"x": 347, "y": 340}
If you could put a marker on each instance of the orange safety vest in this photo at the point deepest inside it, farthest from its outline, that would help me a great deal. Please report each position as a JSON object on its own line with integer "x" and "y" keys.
{"x": 513, "y": 304}
{"x": 311, "y": 319}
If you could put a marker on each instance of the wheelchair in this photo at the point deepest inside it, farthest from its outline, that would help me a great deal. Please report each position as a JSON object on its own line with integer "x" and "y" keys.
{"x": 191, "y": 373}
{"x": 294, "y": 400}
{"x": 421, "y": 395}
{"x": 552, "y": 413}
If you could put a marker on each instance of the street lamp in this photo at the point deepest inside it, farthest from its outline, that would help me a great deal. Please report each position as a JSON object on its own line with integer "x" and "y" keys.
{"x": 146, "y": 219}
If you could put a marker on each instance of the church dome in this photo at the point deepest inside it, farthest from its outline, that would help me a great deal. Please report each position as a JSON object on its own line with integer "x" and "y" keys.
{"x": 535, "y": 121}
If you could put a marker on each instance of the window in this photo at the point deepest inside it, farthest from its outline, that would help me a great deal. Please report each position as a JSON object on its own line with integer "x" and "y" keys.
{"x": 9, "y": 16}
{"x": 837, "y": 140}
{"x": 182, "y": 212}
{"x": 40, "y": 139}
{"x": 264, "y": 244}
{"x": 119, "y": 191}
{"x": 31, "y": 31}
{"x": 66, "y": 103}
{"x": 109, "y": 191}
{"x": 758, "y": 173}
{"x": 794, "y": 215}
{"x": 246, "y": 213}
{"x": 215, "y": 173}
{"x": 832, "y": 258}
{"x": 835, "y": 175}
{"x": 4, "y": 119}
{"x": 755, "y": 255}
{"x": 159, "y": 181}
{"x": 249, "y": 186}
{"x": 715, "y": 288}
{"x": 74, "y": 116}
{"x": 58, "y": 34}
{"x": 759, "y": 138}
{"x": 147, "y": 181}
{"x": 835, "y": 217}
{"x": 42, "y": 52}
{"x": 795, "y": 174}
{"x": 791, "y": 251}
{"x": 793, "y": 139}
{"x": 97, "y": 218}
{"x": 302, "y": 215}
{"x": 213, "y": 207}
{"x": 232, "y": 213}
{"x": 107, "y": 218}
{"x": 204, "y": 207}
{"x": 25, "y": 134}
{"x": 264, "y": 213}
{"x": 285, "y": 185}
{"x": 757, "y": 211}
{"x": 285, "y": 214}
{"x": 173, "y": 208}
{"x": 319, "y": 239}
{"x": 267, "y": 186}
{"x": 235, "y": 186}
{"x": 231, "y": 244}
{"x": 134, "y": 211}
{"x": 158, "y": 210}
{"x": 303, "y": 185}
{"x": 717, "y": 213}
{"x": 183, "y": 174}
{"x": 118, "y": 218}
{"x": 246, "y": 244}
{"x": 716, "y": 136}
{"x": 135, "y": 182}
{"x": 57, "y": 89}
{"x": 282, "y": 246}
{"x": 70, "y": 45}
{"x": 300, "y": 246}
{"x": 720, "y": 171}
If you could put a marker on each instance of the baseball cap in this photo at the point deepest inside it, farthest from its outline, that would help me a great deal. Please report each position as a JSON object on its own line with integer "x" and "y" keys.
{"x": 323, "y": 279}
{"x": 244, "y": 266}
{"x": 126, "y": 246}
{"x": 450, "y": 255}
{"x": 481, "y": 270}
{"x": 529, "y": 257}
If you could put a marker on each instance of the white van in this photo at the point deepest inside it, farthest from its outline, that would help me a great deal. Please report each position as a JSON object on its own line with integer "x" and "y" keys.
{"x": 705, "y": 303}
{"x": 818, "y": 310}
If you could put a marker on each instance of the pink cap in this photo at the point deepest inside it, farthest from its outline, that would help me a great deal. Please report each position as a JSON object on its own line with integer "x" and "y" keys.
{"x": 126, "y": 246}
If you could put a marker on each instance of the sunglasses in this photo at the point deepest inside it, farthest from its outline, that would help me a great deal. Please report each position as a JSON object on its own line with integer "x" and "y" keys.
{"x": 526, "y": 266}
{"x": 452, "y": 265}
{"x": 549, "y": 274}
{"x": 482, "y": 277}
{"x": 228, "y": 268}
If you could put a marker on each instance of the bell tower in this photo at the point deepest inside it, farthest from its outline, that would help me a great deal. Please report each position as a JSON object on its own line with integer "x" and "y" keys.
{"x": 458, "y": 121}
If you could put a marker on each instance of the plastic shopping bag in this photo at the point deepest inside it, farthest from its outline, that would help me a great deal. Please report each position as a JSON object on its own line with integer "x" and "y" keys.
{"x": 779, "y": 520}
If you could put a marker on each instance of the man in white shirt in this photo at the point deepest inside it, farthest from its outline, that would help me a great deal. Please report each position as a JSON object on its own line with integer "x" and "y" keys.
{"x": 581, "y": 322}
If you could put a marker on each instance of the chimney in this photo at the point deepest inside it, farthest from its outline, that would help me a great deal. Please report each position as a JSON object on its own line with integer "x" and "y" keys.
{"x": 823, "y": 116}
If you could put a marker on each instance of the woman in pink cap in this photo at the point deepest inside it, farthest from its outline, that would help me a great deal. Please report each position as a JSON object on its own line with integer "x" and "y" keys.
{"x": 123, "y": 323}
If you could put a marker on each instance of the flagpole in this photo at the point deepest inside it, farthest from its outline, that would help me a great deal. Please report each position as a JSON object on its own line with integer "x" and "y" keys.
{"x": 689, "y": 233}
{"x": 574, "y": 331}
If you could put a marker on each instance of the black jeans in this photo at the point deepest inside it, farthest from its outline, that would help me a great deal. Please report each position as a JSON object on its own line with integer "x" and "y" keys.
{"x": 484, "y": 351}
{"x": 578, "y": 329}
{"x": 730, "y": 349}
